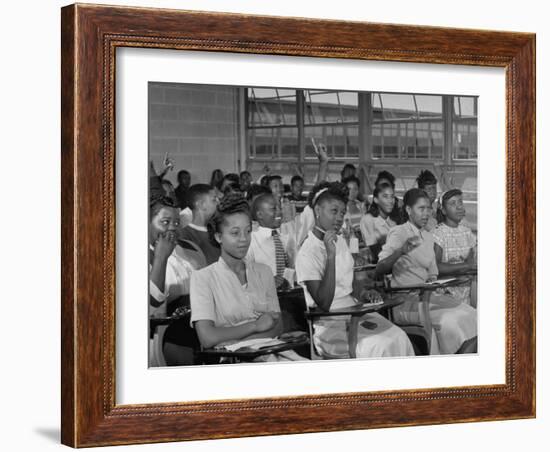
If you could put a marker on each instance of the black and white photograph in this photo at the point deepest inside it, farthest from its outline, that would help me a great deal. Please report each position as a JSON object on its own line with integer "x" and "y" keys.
{"x": 295, "y": 224}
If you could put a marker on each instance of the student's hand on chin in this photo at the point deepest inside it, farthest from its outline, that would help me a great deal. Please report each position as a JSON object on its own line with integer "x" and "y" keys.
{"x": 165, "y": 244}
{"x": 330, "y": 242}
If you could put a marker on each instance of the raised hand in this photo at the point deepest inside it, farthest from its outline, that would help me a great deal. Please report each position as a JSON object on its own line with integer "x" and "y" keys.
{"x": 168, "y": 163}
{"x": 322, "y": 153}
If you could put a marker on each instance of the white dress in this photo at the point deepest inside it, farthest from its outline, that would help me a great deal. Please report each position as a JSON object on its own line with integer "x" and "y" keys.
{"x": 381, "y": 338}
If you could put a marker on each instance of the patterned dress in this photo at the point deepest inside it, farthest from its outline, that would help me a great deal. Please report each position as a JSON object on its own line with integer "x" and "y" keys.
{"x": 456, "y": 244}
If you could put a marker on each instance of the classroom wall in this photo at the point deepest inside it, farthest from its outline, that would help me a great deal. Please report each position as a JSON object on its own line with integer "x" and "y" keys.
{"x": 196, "y": 125}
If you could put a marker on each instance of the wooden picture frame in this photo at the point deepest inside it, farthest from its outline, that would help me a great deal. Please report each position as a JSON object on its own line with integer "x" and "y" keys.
{"x": 90, "y": 37}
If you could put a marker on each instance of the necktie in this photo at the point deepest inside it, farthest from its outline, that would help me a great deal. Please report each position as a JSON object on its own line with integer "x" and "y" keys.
{"x": 280, "y": 255}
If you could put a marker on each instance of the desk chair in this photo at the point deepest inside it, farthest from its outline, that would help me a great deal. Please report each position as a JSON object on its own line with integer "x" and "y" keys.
{"x": 355, "y": 313}
{"x": 424, "y": 328}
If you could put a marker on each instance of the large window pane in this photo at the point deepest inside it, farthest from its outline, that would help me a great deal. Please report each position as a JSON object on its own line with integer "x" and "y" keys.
{"x": 464, "y": 128}
{"x": 329, "y": 107}
{"x": 342, "y": 141}
{"x": 407, "y": 126}
{"x": 273, "y": 143}
{"x": 271, "y": 107}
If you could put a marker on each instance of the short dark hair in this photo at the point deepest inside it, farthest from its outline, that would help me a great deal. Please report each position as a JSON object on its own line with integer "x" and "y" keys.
{"x": 232, "y": 177}
{"x": 196, "y": 192}
{"x": 242, "y": 173}
{"x": 348, "y": 166}
{"x": 446, "y": 196}
{"x": 157, "y": 202}
{"x": 183, "y": 173}
{"x": 274, "y": 177}
{"x": 295, "y": 179}
{"x": 257, "y": 202}
{"x": 385, "y": 175}
{"x": 411, "y": 197}
{"x": 349, "y": 179}
{"x": 328, "y": 190}
{"x": 426, "y": 177}
{"x": 256, "y": 190}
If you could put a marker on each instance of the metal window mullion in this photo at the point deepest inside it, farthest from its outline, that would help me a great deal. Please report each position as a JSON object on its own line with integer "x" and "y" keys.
{"x": 448, "y": 129}
{"x": 242, "y": 110}
{"x": 300, "y": 120}
{"x": 365, "y": 114}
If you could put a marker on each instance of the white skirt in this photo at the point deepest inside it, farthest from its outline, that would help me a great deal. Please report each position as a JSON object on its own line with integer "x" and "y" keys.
{"x": 453, "y": 322}
{"x": 376, "y": 337}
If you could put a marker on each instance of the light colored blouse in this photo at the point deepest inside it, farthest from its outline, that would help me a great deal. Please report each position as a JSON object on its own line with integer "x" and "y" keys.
{"x": 311, "y": 263}
{"x": 417, "y": 265}
{"x": 218, "y": 295}
{"x": 375, "y": 229}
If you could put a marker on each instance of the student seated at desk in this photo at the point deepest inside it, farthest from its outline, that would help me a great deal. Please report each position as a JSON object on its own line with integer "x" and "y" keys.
{"x": 379, "y": 219}
{"x": 455, "y": 244}
{"x": 171, "y": 266}
{"x": 202, "y": 201}
{"x": 272, "y": 244}
{"x": 233, "y": 299}
{"x": 409, "y": 255}
{"x": 324, "y": 268}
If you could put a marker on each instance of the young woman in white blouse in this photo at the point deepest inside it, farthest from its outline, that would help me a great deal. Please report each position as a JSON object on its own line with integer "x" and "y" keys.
{"x": 324, "y": 268}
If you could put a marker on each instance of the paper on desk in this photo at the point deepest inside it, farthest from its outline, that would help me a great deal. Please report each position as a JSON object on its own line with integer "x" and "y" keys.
{"x": 441, "y": 281}
{"x": 254, "y": 344}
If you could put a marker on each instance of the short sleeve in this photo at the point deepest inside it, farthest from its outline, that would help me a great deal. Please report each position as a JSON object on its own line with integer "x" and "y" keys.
{"x": 202, "y": 297}
{"x": 310, "y": 266}
{"x": 178, "y": 272}
{"x": 367, "y": 230}
{"x": 396, "y": 239}
{"x": 438, "y": 237}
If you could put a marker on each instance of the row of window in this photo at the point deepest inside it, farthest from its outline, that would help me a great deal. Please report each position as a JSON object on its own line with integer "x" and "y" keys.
{"x": 399, "y": 126}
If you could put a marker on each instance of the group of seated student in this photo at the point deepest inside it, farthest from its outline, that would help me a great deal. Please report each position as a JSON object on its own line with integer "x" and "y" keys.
{"x": 239, "y": 247}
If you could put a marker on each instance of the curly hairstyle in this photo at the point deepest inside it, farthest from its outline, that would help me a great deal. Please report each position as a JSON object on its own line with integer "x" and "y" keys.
{"x": 231, "y": 204}
{"x": 443, "y": 200}
{"x": 324, "y": 191}
{"x": 385, "y": 175}
{"x": 426, "y": 177}
{"x": 157, "y": 202}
